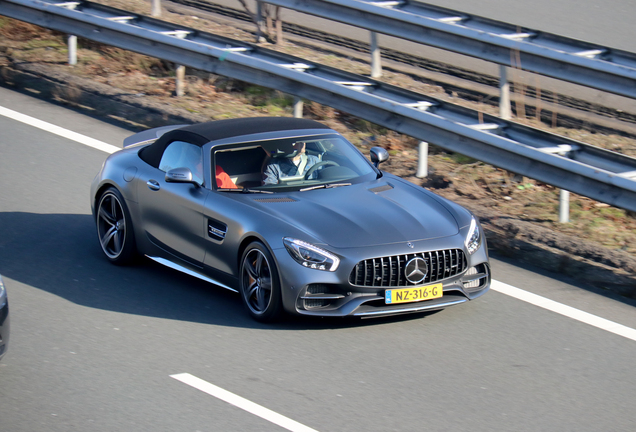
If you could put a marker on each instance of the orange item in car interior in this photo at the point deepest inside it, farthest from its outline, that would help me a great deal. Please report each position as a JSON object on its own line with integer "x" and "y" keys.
{"x": 223, "y": 180}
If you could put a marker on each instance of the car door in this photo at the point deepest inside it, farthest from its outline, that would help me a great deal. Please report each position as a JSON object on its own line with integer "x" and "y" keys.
{"x": 173, "y": 213}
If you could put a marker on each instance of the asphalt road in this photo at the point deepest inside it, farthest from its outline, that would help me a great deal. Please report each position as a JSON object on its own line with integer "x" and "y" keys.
{"x": 93, "y": 346}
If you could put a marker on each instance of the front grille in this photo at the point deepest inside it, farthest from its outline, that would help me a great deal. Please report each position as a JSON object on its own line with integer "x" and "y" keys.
{"x": 389, "y": 271}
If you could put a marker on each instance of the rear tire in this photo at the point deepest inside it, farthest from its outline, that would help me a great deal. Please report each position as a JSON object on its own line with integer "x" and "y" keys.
{"x": 259, "y": 283}
{"x": 114, "y": 228}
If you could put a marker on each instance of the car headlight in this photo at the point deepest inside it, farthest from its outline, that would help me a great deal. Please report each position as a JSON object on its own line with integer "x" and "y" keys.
{"x": 311, "y": 256}
{"x": 473, "y": 239}
{"x": 3, "y": 294}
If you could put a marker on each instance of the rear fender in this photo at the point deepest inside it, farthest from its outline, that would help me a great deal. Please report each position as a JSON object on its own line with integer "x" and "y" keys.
{"x": 147, "y": 136}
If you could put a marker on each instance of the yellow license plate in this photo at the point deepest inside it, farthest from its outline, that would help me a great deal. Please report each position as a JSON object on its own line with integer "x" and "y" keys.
{"x": 407, "y": 295}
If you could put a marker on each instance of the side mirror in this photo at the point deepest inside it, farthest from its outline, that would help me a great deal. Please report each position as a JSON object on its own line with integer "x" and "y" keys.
{"x": 180, "y": 175}
{"x": 378, "y": 155}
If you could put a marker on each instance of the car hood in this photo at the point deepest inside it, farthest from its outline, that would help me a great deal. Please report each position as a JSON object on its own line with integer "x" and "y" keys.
{"x": 363, "y": 215}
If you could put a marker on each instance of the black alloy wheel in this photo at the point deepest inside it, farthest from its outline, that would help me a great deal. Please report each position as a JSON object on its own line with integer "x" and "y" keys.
{"x": 259, "y": 283}
{"x": 114, "y": 228}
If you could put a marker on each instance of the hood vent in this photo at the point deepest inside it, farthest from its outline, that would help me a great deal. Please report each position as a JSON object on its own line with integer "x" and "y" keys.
{"x": 275, "y": 200}
{"x": 382, "y": 188}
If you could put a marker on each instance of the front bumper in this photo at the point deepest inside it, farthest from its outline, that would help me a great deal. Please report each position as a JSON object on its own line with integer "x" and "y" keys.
{"x": 330, "y": 294}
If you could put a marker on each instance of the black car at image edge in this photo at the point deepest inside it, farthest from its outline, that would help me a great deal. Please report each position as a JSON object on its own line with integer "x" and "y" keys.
{"x": 4, "y": 319}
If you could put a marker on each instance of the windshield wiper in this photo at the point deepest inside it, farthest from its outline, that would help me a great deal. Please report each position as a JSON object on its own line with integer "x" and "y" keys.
{"x": 244, "y": 190}
{"x": 325, "y": 186}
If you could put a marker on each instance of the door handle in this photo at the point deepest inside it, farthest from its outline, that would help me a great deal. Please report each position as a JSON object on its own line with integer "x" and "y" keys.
{"x": 153, "y": 185}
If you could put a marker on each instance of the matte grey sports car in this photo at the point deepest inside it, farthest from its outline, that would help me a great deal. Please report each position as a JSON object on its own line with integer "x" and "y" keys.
{"x": 289, "y": 214}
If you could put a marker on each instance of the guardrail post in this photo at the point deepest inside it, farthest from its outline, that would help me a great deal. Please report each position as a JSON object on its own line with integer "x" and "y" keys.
{"x": 155, "y": 8}
{"x": 279, "y": 27}
{"x": 180, "y": 70}
{"x": 180, "y": 81}
{"x": 72, "y": 50}
{"x": 564, "y": 206}
{"x": 376, "y": 57}
{"x": 298, "y": 107}
{"x": 422, "y": 164}
{"x": 505, "y": 112}
{"x": 259, "y": 22}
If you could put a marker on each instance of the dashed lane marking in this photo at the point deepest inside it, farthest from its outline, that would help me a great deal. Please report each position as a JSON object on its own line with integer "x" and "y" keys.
{"x": 242, "y": 403}
{"x": 564, "y": 310}
{"x": 65, "y": 133}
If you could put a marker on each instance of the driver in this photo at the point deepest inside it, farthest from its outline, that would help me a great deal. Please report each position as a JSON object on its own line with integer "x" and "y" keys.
{"x": 296, "y": 164}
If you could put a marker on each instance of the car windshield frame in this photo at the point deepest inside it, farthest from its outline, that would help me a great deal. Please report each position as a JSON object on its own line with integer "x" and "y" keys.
{"x": 338, "y": 163}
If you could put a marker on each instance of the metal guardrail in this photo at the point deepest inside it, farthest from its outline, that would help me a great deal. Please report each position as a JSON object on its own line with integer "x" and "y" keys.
{"x": 587, "y": 170}
{"x": 572, "y": 60}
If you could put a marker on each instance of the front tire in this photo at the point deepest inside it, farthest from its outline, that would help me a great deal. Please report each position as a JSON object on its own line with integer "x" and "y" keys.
{"x": 259, "y": 283}
{"x": 114, "y": 228}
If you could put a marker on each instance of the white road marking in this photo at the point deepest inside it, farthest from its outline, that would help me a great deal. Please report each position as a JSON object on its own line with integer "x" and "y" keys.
{"x": 565, "y": 310}
{"x": 74, "y": 136}
{"x": 242, "y": 403}
{"x": 501, "y": 287}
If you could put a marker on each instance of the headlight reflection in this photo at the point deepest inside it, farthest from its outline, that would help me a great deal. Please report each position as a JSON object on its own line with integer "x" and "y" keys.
{"x": 311, "y": 256}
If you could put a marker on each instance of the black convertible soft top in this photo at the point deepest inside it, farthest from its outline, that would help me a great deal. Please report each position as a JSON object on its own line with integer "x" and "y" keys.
{"x": 203, "y": 133}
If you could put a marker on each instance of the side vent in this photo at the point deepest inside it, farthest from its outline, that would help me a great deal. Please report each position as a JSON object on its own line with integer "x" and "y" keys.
{"x": 382, "y": 188}
{"x": 216, "y": 230}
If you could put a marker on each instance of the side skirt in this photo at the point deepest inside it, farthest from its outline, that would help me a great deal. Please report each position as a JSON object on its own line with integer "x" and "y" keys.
{"x": 188, "y": 271}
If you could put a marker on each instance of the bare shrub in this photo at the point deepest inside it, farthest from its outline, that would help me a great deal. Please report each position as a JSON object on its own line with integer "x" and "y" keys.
{"x": 20, "y": 31}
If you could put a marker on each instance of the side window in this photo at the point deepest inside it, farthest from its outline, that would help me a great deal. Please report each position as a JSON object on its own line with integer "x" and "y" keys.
{"x": 180, "y": 154}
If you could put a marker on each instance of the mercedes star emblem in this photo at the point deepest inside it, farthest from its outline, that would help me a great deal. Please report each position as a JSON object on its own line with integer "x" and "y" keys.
{"x": 416, "y": 270}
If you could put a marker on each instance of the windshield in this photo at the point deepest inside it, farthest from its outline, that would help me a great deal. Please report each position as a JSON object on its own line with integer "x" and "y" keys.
{"x": 299, "y": 163}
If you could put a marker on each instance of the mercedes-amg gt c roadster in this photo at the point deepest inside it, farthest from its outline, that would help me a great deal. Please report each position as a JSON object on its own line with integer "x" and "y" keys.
{"x": 289, "y": 214}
